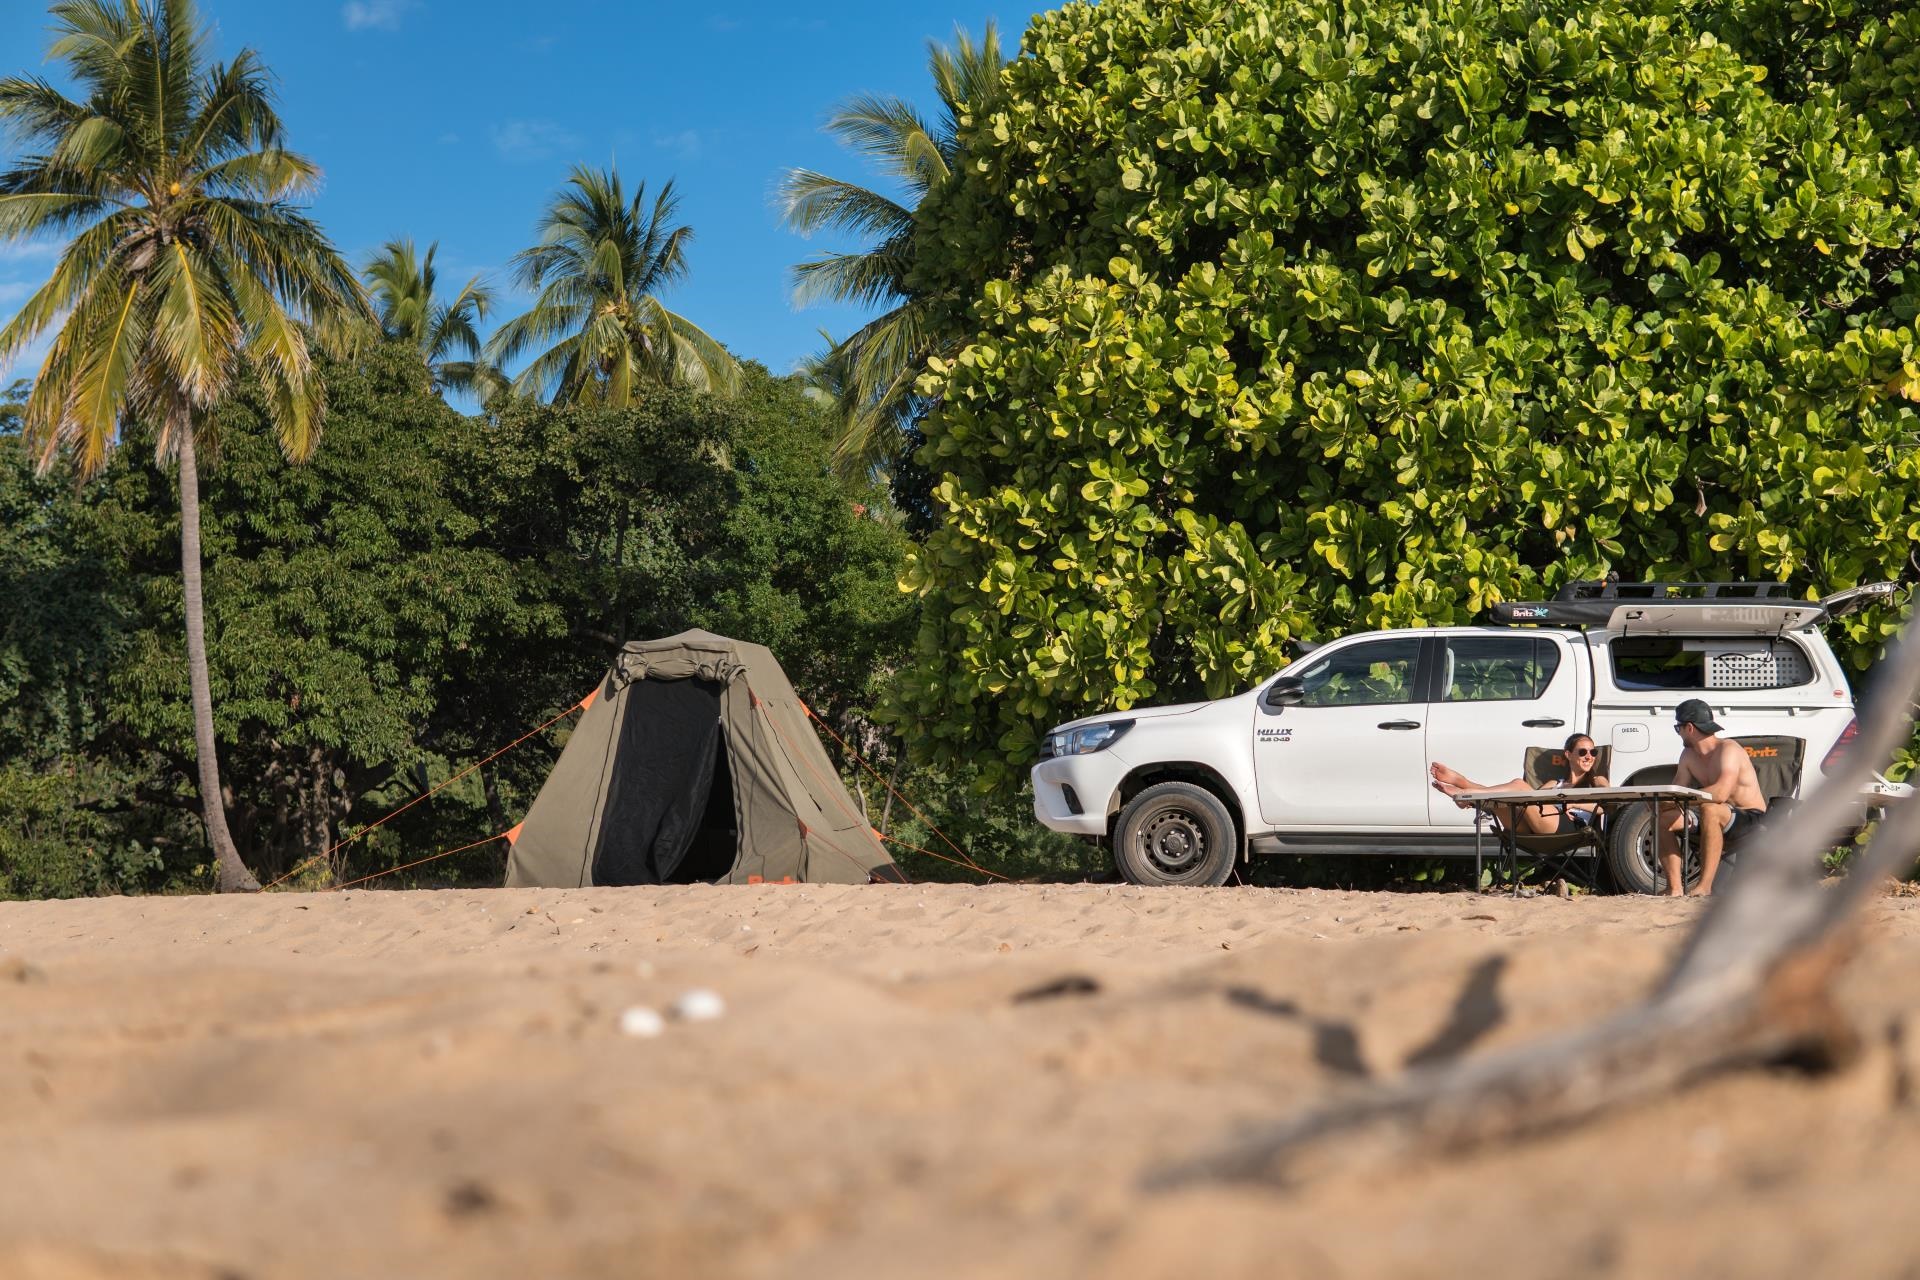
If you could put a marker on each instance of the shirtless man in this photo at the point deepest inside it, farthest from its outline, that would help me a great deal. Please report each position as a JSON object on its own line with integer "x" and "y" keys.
{"x": 1721, "y": 768}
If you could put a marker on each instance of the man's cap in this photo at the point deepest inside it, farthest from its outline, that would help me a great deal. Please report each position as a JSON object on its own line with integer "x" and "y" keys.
{"x": 1697, "y": 713}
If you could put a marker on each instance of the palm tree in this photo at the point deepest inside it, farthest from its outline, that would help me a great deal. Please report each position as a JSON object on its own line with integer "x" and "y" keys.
{"x": 886, "y": 356}
{"x": 597, "y": 266}
{"x": 187, "y": 267}
{"x": 403, "y": 288}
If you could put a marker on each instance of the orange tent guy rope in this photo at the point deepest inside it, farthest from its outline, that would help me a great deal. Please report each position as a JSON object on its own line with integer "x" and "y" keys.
{"x": 786, "y": 745}
{"x": 943, "y": 857}
{"x": 964, "y": 860}
{"x": 420, "y": 863}
{"x": 845, "y": 746}
{"x": 581, "y": 705}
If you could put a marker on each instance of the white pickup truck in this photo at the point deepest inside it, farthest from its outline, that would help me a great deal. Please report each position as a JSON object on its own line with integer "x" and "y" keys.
{"x": 1331, "y": 755}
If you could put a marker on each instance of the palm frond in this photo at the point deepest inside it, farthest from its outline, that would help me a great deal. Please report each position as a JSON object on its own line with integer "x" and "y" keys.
{"x": 813, "y": 201}
{"x": 277, "y": 350}
{"x": 875, "y": 278}
{"x": 965, "y": 75}
{"x": 881, "y": 129}
{"x": 35, "y": 111}
{"x": 94, "y": 38}
{"x": 559, "y": 366}
{"x": 113, "y": 352}
{"x": 236, "y": 114}
{"x": 86, "y": 256}
{"x": 25, "y": 215}
{"x": 547, "y": 322}
{"x": 695, "y": 348}
{"x": 477, "y": 378}
{"x": 271, "y": 175}
{"x": 195, "y": 329}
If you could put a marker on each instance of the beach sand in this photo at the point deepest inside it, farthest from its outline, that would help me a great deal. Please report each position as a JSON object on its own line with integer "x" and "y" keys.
{"x": 390, "y": 1084}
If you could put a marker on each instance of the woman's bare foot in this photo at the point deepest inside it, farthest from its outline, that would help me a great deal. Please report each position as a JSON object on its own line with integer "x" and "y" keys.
{"x": 1451, "y": 777}
{"x": 1452, "y": 792}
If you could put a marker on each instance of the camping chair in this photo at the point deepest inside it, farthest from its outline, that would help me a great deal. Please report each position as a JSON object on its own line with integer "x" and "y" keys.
{"x": 1559, "y": 852}
{"x": 1776, "y": 765}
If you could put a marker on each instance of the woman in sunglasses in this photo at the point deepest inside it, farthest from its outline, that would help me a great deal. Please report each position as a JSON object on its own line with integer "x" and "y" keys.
{"x": 1537, "y": 819}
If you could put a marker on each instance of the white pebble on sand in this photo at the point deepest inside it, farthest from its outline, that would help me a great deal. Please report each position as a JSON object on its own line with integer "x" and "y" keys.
{"x": 641, "y": 1022}
{"x": 699, "y": 1005}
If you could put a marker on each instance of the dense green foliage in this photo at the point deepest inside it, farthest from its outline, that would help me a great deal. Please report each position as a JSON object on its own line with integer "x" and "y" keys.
{"x": 1294, "y": 318}
{"x": 426, "y": 589}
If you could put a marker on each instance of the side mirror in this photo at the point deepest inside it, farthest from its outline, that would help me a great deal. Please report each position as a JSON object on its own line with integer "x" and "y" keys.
{"x": 1287, "y": 691}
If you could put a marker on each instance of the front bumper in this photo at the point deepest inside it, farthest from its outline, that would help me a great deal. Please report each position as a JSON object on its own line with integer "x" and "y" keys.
{"x": 1091, "y": 780}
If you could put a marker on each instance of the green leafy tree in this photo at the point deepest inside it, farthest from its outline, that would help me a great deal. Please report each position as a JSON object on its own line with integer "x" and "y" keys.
{"x": 873, "y": 372}
{"x": 597, "y": 326}
{"x": 446, "y": 332}
{"x": 1289, "y": 319}
{"x": 187, "y": 264}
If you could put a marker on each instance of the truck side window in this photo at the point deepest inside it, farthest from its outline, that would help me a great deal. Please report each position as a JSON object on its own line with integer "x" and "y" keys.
{"x": 1361, "y": 675}
{"x": 1498, "y": 668}
{"x": 1648, "y": 663}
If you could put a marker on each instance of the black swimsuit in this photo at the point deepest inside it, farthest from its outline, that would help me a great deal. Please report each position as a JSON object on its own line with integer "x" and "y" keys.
{"x": 1572, "y": 820}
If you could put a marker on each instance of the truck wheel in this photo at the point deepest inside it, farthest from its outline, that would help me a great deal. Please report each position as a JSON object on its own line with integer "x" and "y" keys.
{"x": 1175, "y": 833}
{"x": 1631, "y": 857}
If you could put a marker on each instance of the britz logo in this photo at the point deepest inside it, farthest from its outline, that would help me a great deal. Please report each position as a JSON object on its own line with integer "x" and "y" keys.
{"x": 1275, "y": 735}
{"x": 1529, "y": 611}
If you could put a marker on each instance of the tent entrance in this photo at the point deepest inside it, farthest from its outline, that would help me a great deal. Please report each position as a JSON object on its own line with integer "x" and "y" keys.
{"x": 716, "y": 841}
{"x": 668, "y": 817}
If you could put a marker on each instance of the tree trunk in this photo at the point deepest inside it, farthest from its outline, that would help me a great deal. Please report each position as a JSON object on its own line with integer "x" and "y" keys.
{"x": 620, "y": 571}
{"x": 316, "y": 833}
{"x": 886, "y": 810}
{"x": 231, "y": 874}
{"x": 490, "y": 789}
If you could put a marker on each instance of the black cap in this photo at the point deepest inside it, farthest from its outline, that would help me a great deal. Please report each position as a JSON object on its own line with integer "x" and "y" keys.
{"x": 1698, "y": 714}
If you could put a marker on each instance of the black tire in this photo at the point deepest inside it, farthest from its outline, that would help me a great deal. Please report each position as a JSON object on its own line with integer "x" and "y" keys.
{"x": 1175, "y": 833}
{"x": 1631, "y": 860}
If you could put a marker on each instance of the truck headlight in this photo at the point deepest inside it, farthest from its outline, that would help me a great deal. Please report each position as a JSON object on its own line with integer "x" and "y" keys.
{"x": 1087, "y": 739}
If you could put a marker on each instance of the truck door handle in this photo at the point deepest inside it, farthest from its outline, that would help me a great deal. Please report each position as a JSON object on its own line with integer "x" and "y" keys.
{"x": 1399, "y": 724}
{"x": 1544, "y": 724}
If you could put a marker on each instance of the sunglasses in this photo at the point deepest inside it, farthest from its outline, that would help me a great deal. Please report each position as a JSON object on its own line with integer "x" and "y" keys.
{"x": 1585, "y": 751}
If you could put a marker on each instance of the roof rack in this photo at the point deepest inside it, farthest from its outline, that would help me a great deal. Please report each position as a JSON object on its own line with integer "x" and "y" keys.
{"x": 1614, "y": 589}
{"x": 1747, "y": 607}
{"x": 1697, "y": 608}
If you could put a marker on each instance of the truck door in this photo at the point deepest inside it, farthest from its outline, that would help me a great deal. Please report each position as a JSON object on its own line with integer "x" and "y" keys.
{"x": 1495, "y": 696}
{"x": 1353, "y": 753}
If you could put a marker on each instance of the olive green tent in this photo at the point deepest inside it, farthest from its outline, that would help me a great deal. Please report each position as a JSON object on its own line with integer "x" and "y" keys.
{"x": 695, "y": 762}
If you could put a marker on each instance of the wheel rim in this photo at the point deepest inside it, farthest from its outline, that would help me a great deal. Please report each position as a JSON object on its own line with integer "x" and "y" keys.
{"x": 1173, "y": 843}
{"x": 1644, "y": 850}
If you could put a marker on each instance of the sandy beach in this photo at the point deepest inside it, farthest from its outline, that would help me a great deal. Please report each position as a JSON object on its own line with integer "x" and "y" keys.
{"x": 935, "y": 1081}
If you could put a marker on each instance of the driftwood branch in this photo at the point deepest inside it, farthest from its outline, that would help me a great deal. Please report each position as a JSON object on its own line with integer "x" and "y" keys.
{"x": 1752, "y": 984}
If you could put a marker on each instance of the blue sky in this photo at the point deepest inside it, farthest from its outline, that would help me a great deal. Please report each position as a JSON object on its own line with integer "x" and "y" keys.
{"x": 454, "y": 120}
